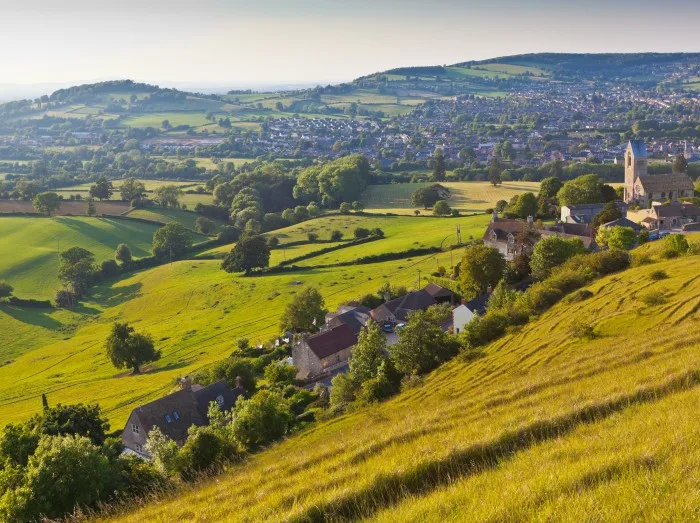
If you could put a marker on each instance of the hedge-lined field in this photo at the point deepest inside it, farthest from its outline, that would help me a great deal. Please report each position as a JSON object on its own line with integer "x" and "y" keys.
{"x": 466, "y": 196}
{"x": 30, "y": 245}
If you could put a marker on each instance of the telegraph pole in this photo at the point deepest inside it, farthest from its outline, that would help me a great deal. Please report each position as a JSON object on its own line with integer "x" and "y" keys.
{"x": 418, "y": 279}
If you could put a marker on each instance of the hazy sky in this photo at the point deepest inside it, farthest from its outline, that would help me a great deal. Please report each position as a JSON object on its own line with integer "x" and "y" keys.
{"x": 259, "y": 42}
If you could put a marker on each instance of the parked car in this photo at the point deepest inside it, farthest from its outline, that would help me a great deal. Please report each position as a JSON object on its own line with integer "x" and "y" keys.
{"x": 387, "y": 327}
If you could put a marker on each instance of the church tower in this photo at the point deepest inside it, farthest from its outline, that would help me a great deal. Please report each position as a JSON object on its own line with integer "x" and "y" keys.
{"x": 635, "y": 166}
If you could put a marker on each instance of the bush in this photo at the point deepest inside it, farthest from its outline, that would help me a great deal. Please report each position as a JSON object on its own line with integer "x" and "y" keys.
{"x": 567, "y": 280}
{"x": 658, "y": 275}
{"x": 441, "y": 208}
{"x": 345, "y": 208}
{"x": 273, "y": 241}
{"x": 336, "y": 236}
{"x": 582, "y": 330}
{"x": 109, "y": 268}
{"x": 261, "y": 419}
{"x": 200, "y": 453}
{"x": 65, "y": 299}
{"x": 377, "y": 232}
{"x": 375, "y": 389}
{"x": 543, "y": 296}
{"x": 654, "y": 297}
{"x": 205, "y": 225}
{"x": 5, "y": 289}
{"x": 578, "y": 296}
{"x": 312, "y": 236}
{"x": 675, "y": 245}
{"x": 228, "y": 234}
{"x": 360, "y": 233}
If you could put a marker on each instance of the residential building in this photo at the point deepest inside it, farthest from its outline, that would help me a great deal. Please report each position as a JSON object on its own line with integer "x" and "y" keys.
{"x": 175, "y": 413}
{"x": 324, "y": 351}
{"x": 502, "y": 234}
{"x": 464, "y": 313}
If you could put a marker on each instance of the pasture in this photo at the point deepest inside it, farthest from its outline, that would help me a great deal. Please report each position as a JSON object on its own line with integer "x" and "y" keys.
{"x": 538, "y": 425}
{"x": 467, "y": 197}
{"x": 29, "y": 257}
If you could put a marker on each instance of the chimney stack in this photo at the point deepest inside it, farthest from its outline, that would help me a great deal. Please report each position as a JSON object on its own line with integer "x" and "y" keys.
{"x": 494, "y": 216}
{"x": 530, "y": 219}
{"x": 239, "y": 382}
{"x": 489, "y": 289}
{"x": 186, "y": 383}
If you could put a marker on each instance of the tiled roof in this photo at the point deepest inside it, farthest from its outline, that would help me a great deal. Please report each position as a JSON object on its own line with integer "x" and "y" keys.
{"x": 622, "y": 222}
{"x": 327, "y": 343}
{"x": 666, "y": 182}
{"x": 677, "y": 209}
{"x": 191, "y": 407}
{"x": 436, "y": 291}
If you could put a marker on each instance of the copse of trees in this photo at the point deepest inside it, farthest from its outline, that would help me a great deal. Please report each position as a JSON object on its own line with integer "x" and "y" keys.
{"x": 341, "y": 180}
{"x": 585, "y": 189}
{"x": 168, "y": 195}
{"x": 427, "y": 197}
{"x": 551, "y": 252}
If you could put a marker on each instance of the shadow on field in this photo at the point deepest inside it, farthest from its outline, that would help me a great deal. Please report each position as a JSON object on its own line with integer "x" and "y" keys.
{"x": 31, "y": 316}
{"x": 388, "y": 489}
{"x": 111, "y": 296}
{"x": 124, "y": 231}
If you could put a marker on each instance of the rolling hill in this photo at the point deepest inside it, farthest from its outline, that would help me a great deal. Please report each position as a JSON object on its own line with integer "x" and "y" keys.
{"x": 539, "y": 425}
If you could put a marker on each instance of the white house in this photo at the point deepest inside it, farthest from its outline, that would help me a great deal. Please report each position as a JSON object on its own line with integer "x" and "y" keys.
{"x": 460, "y": 317}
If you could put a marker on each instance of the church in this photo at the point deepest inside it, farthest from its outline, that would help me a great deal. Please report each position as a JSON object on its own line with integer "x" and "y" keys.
{"x": 642, "y": 188}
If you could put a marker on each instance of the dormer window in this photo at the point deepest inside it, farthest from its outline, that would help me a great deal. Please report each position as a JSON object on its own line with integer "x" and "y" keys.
{"x": 176, "y": 415}
{"x": 134, "y": 428}
{"x": 220, "y": 400}
{"x": 168, "y": 419}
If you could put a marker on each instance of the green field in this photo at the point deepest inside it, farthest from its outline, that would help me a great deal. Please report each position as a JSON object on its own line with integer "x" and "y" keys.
{"x": 186, "y": 218}
{"x": 195, "y": 312}
{"x": 467, "y": 197}
{"x": 539, "y": 426}
{"x": 29, "y": 259}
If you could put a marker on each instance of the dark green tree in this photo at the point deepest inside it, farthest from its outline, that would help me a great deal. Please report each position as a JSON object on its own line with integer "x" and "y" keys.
{"x": 250, "y": 253}
{"x": 127, "y": 348}
{"x": 46, "y": 202}
{"x": 170, "y": 241}
{"x": 306, "y": 312}
{"x": 439, "y": 169}
{"x": 102, "y": 189}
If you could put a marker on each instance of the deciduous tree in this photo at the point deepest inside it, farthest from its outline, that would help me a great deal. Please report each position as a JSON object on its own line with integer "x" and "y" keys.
{"x": 127, "y": 348}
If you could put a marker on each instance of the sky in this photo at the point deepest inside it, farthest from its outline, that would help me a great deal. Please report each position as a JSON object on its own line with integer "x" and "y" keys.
{"x": 256, "y": 43}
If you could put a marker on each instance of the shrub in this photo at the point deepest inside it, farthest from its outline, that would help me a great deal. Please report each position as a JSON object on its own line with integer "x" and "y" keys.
{"x": 639, "y": 259}
{"x": 582, "y": 330}
{"x": 343, "y": 391}
{"x": 312, "y": 236}
{"x": 200, "y": 453}
{"x": 109, "y": 268}
{"x": 345, "y": 208}
{"x": 361, "y": 232}
{"x": 374, "y": 389}
{"x": 273, "y": 241}
{"x": 567, "y": 280}
{"x": 205, "y": 225}
{"x": 441, "y": 208}
{"x": 228, "y": 234}
{"x": 654, "y": 297}
{"x": 377, "y": 232}
{"x": 336, "y": 236}
{"x": 643, "y": 236}
{"x": 544, "y": 296}
{"x": 675, "y": 245}
{"x": 658, "y": 275}
{"x": 5, "y": 289}
{"x": 261, "y": 419}
{"x": 65, "y": 299}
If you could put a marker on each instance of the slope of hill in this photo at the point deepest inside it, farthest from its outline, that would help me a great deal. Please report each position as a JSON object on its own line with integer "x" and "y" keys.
{"x": 30, "y": 261}
{"x": 538, "y": 425}
{"x": 194, "y": 311}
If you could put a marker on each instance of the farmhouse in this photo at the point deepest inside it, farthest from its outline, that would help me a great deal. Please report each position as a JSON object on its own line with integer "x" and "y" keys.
{"x": 175, "y": 413}
{"x": 502, "y": 234}
{"x": 465, "y": 312}
{"x": 324, "y": 351}
{"x": 673, "y": 216}
{"x": 642, "y": 188}
{"x": 398, "y": 309}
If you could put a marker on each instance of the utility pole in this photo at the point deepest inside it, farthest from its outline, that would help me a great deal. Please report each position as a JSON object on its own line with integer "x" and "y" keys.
{"x": 171, "y": 254}
{"x": 418, "y": 279}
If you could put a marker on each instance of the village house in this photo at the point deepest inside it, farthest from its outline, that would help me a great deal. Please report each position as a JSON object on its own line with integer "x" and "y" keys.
{"x": 175, "y": 413}
{"x": 323, "y": 352}
{"x": 672, "y": 216}
{"x": 464, "y": 313}
{"x": 397, "y": 310}
{"x": 502, "y": 234}
{"x": 584, "y": 213}
{"x": 643, "y": 188}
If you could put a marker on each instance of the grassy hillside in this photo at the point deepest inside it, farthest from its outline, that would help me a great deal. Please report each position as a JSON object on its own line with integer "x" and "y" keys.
{"x": 467, "y": 197}
{"x": 29, "y": 260}
{"x": 539, "y": 425}
{"x": 195, "y": 312}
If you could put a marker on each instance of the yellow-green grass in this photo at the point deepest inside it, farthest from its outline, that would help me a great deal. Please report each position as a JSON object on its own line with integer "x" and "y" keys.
{"x": 539, "y": 425}
{"x": 466, "y": 196}
{"x": 29, "y": 254}
{"x": 194, "y": 311}
{"x": 191, "y": 200}
{"x": 210, "y": 164}
{"x": 193, "y": 119}
{"x": 186, "y": 218}
{"x": 150, "y": 185}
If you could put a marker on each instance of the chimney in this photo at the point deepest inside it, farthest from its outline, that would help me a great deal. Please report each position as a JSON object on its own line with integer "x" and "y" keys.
{"x": 530, "y": 220}
{"x": 387, "y": 297}
{"x": 239, "y": 382}
{"x": 186, "y": 383}
{"x": 494, "y": 216}
{"x": 489, "y": 289}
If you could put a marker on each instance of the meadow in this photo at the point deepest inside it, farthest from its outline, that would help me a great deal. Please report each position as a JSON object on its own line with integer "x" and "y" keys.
{"x": 29, "y": 257}
{"x": 195, "y": 312}
{"x": 539, "y": 425}
{"x": 466, "y": 196}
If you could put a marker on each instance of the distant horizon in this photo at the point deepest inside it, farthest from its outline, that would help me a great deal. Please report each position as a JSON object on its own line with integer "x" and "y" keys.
{"x": 11, "y": 91}
{"x": 306, "y": 42}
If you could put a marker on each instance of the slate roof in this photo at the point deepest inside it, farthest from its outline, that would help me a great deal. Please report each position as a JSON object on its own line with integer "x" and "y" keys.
{"x": 327, "y": 343}
{"x": 436, "y": 291}
{"x": 639, "y": 150}
{"x": 623, "y": 222}
{"x": 401, "y": 306}
{"x": 666, "y": 182}
{"x": 191, "y": 408}
{"x": 677, "y": 209}
{"x": 356, "y": 319}
{"x": 478, "y": 304}
{"x": 503, "y": 227}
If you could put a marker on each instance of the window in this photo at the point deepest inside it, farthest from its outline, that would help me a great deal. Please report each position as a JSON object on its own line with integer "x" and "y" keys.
{"x": 629, "y": 160}
{"x": 168, "y": 418}
{"x": 176, "y": 415}
{"x": 220, "y": 400}
{"x": 139, "y": 448}
{"x": 134, "y": 428}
